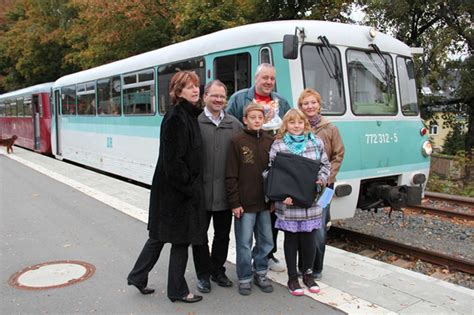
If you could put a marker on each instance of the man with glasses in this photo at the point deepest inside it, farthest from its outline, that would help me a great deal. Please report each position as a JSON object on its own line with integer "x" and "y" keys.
{"x": 217, "y": 128}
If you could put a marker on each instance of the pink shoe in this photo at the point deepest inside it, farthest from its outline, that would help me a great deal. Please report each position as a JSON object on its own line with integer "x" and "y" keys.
{"x": 294, "y": 287}
{"x": 309, "y": 282}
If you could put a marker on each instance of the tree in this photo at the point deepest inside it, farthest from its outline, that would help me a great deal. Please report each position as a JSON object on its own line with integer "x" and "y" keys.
{"x": 196, "y": 18}
{"x": 466, "y": 93}
{"x": 107, "y": 31}
{"x": 328, "y": 10}
{"x": 32, "y": 46}
{"x": 454, "y": 141}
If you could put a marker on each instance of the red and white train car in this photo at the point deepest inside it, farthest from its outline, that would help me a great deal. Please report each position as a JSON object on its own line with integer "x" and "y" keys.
{"x": 26, "y": 113}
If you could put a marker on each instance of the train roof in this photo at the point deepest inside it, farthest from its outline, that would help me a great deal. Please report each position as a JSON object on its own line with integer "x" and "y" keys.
{"x": 340, "y": 34}
{"x": 39, "y": 88}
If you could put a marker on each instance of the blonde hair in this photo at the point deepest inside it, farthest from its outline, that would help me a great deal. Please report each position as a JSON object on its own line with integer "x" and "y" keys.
{"x": 252, "y": 107}
{"x": 293, "y": 114}
{"x": 305, "y": 94}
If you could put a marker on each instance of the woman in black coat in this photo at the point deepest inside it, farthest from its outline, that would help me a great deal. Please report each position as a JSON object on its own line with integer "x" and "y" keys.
{"x": 175, "y": 215}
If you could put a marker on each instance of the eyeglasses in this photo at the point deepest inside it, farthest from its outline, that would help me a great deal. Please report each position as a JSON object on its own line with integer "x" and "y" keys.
{"x": 217, "y": 96}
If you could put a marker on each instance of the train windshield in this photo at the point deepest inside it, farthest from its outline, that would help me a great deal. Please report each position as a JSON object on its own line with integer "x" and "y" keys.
{"x": 406, "y": 82}
{"x": 371, "y": 83}
{"x": 322, "y": 72}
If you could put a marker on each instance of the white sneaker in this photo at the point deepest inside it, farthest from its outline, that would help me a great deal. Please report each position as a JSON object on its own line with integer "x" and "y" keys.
{"x": 328, "y": 225}
{"x": 275, "y": 265}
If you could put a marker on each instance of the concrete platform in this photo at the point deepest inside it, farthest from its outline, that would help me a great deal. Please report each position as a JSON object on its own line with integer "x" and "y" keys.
{"x": 351, "y": 283}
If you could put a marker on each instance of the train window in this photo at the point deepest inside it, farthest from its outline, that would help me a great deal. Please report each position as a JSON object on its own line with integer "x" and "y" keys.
{"x": 68, "y": 100}
{"x": 108, "y": 94}
{"x": 2, "y": 109}
{"x": 13, "y": 109}
{"x": 265, "y": 55}
{"x": 20, "y": 107}
{"x": 139, "y": 93}
{"x": 406, "y": 82}
{"x": 233, "y": 71}
{"x": 322, "y": 72}
{"x": 166, "y": 72}
{"x": 371, "y": 83}
{"x": 86, "y": 99}
{"x": 27, "y": 106}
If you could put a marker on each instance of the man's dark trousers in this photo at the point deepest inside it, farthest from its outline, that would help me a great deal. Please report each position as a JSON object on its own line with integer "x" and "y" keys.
{"x": 206, "y": 263}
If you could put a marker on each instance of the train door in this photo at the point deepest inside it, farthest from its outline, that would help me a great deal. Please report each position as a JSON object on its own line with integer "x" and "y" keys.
{"x": 35, "y": 104}
{"x": 233, "y": 71}
{"x": 57, "y": 120}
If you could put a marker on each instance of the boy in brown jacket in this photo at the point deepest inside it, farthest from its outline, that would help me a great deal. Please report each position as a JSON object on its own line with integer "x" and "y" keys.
{"x": 247, "y": 159}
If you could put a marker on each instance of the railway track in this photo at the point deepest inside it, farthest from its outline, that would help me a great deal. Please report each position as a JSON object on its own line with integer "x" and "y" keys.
{"x": 450, "y": 199}
{"x": 454, "y": 263}
{"x": 469, "y": 216}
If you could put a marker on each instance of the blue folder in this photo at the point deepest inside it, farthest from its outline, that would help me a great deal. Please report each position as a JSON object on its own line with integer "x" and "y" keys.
{"x": 325, "y": 198}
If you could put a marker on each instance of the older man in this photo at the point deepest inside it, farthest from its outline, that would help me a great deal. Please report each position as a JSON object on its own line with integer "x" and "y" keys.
{"x": 262, "y": 93}
{"x": 275, "y": 108}
{"x": 217, "y": 128}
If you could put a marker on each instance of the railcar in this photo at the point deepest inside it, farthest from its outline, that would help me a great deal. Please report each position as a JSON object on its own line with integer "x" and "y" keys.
{"x": 109, "y": 117}
{"x": 26, "y": 113}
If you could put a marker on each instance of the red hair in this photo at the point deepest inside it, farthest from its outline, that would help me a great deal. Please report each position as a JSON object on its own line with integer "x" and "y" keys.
{"x": 179, "y": 81}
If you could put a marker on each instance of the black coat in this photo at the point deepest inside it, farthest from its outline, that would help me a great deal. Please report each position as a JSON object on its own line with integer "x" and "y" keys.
{"x": 176, "y": 214}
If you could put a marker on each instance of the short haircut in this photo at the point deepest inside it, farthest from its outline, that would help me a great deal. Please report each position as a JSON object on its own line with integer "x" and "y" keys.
{"x": 253, "y": 107}
{"x": 261, "y": 66}
{"x": 214, "y": 82}
{"x": 293, "y": 114}
{"x": 306, "y": 93}
{"x": 178, "y": 83}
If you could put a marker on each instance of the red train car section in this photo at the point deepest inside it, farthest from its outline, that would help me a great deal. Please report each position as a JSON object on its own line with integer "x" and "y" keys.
{"x": 26, "y": 113}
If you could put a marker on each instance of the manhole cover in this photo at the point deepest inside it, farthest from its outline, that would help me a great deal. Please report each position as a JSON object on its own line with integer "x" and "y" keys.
{"x": 54, "y": 274}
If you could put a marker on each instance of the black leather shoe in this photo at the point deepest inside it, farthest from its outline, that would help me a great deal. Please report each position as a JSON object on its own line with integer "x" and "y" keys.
{"x": 195, "y": 298}
{"x": 143, "y": 290}
{"x": 204, "y": 285}
{"x": 222, "y": 280}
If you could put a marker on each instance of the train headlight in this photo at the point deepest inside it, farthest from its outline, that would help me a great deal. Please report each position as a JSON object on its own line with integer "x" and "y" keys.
{"x": 423, "y": 131}
{"x": 427, "y": 149}
{"x": 372, "y": 33}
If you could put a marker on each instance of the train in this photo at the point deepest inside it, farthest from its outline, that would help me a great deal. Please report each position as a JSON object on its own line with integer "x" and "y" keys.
{"x": 26, "y": 113}
{"x": 109, "y": 117}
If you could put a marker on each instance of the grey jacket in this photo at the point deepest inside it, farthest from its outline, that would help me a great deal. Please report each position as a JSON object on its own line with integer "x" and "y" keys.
{"x": 216, "y": 142}
{"x": 240, "y": 99}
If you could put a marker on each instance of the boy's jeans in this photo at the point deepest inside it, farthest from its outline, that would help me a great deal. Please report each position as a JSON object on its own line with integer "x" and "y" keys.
{"x": 244, "y": 228}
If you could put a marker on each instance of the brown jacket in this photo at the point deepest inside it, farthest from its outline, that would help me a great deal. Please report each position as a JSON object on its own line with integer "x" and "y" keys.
{"x": 332, "y": 144}
{"x": 247, "y": 159}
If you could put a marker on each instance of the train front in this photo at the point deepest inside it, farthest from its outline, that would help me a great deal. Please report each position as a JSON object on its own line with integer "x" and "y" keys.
{"x": 367, "y": 84}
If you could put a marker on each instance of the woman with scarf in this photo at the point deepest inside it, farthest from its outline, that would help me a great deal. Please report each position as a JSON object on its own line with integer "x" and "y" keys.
{"x": 309, "y": 103}
{"x": 299, "y": 224}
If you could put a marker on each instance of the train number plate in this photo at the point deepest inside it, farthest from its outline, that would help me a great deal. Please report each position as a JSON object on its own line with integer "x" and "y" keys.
{"x": 377, "y": 138}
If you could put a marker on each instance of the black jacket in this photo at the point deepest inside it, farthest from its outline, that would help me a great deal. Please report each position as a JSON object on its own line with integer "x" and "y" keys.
{"x": 176, "y": 214}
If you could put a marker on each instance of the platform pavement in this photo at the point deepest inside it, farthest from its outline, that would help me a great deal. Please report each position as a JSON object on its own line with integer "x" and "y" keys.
{"x": 351, "y": 283}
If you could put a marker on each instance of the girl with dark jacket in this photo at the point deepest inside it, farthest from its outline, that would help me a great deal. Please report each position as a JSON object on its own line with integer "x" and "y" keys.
{"x": 175, "y": 215}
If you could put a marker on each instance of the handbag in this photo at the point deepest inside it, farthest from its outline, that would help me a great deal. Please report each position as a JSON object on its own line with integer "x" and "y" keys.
{"x": 292, "y": 176}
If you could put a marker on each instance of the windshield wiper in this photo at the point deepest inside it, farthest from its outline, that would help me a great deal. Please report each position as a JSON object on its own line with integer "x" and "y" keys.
{"x": 336, "y": 74}
{"x": 388, "y": 71}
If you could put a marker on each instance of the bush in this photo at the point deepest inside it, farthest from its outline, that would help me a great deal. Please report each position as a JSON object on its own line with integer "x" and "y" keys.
{"x": 454, "y": 141}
